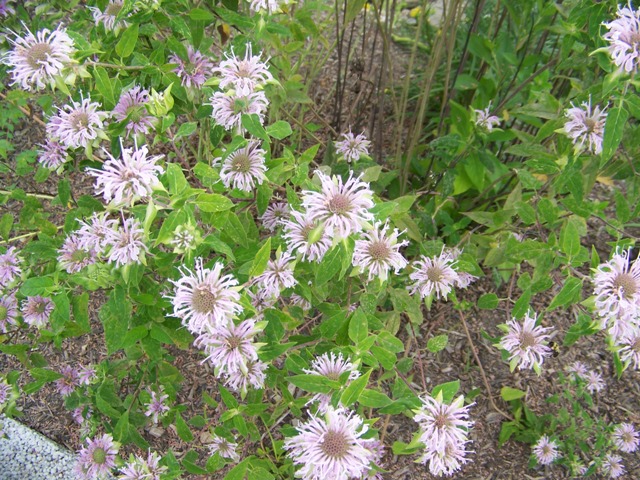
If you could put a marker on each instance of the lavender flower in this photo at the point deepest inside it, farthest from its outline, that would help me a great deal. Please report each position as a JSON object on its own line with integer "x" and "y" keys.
{"x": 156, "y": 406}
{"x": 6, "y": 9}
{"x": 595, "y": 383}
{"x": 9, "y": 266}
{"x": 69, "y": 381}
{"x": 379, "y": 251}
{"x": 132, "y": 108}
{"x": 300, "y": 301}
{"x": 578, "y": 369}
{"x": 195, "y": 70}
{"x": 376, "y": 448}
{"x": 244, "y": 168}
{"x": 8, "y": 311}
{"x": 109, "y": 18}
{"x": 352, "y": 147}
{"x": 623, "y": 36}
{"x": 249, "y": 71}
{"x": 86, "y": 375}
{"x": 37, "y": 310}
{"x": 5, "y": 391}
{"x": 251, "y": 376}
{"x": 205, "y": 299}
{"x": 433, "y": 275}
{"x": 229, "y": 107}
{"x": 73, "y": 257}
{"x": 306, "y": 235}
{"x": 229, "y": 347}
{"x": 332, "y": 367}
{"x": 53, "y": 154}
{"x": 96, "y": 234}
{"x": 275, "y": 214}
{"x": 617, "y": 291}
{"x": 224, "y": 448}
{"x": 485, "y": 120}
{"x": 36, "y": 59}
{"x": 526, "y": 343}
{"x": 140, "y": 469}
{"x": 586, "y": 126}
{"x": 81, "y": 414}
{"x": 443, "y": 431}
{"x": 546, "y": 450}
{"x": 278, "y": 275}
{"x": 78, "y": 124}
{"x": 127, "y": 243}
{"x": 342, "y": 206}
{"x": 613, "y": 466}
{"x": 625, "y": 438}
{"x": 97, "y": 458}
{"x": 267, "y": 6}
{"x": 132, "y": 177}
{"x": 330, "y": 447}
{"x": 629, "y": 348}
{"x": 261, "y": 300}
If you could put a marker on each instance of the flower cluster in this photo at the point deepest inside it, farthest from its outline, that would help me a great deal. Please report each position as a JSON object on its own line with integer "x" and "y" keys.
{"x": 623, "y": 36}
{"x": 97, "y": 458}
{"x": 352, "y": 147}
{"x": 194, "y": 70}
{"x": 244, "y": 168}
{"x": 545, "y": 451}
{"x": 434, "y": 275}
{"x": 78, "y": 124}
{"x": 132, "y": 109}
{"x": 443, "y": 431}
{"x": 592, "y": 380}
{"x": 137, "y": 468}
{"x": 526, "y": 343}
{"x": 586, "y": 126}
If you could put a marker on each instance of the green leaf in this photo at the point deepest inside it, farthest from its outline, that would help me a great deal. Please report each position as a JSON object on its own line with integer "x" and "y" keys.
{"x": 184, "y": 432}
{"x": 448, "y": 390}
{"x": 386, "y": 358}
{"x": 212, "y": 202}
{"x": 613, "y": 130}
{"x": 128, "y": 41}
{"x": 115, "y": 316}
{"x": 570, "y": 239}
{"x": 374, "y": 399}
{"x": 186, "y": 129}
{"x": 329, "y": 267}
{"x": 279, "y": 130}
{"x": 6, "y": 223}
{"x": 238, "y": 472}
{"x": 488, "y": 301}
{"x": 352, "y": 393}
{"x": 173, "y": 221}
{"x": 508, "y": 394}
{"x": 312, "y": 383}
{"x": 437, "y": 343}
{"x": 80, "y": 308}
{"x": 254, "y": 126}
{"x": 261, "y": 259}
{"x": 61, "y": 314}
{"x": 121, "y": 430}
{"x": 569, "y": 294}
{"x": 201, "y": 14}
{"x": 105, "y": 87}
{"x": 354, "y": 7}
{"x": 358, "y": 326}
{"x": 37, "y": 286}
{"x": 44, "y": 374}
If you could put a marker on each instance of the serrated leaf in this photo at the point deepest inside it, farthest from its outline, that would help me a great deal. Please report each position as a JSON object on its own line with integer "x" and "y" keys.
{"x": 329, "y": 266}
{"x": 115, "y": 316}
{"x": 105, "y": 87}
{"x": 37, "y": 286}
{"x": 201, "y": 14}
{"x": 352, "y": 393}
{"x": 312, "y": 383}
{"x": 254, "y": 126}
{"x": 127, "y": 43}
{"x": 184, "y": 432}
{"x": 570, "y": 239}
{"x": 569, "y": 294}
{"x": 437, "y": 343}
{"x": 448, "y": 390}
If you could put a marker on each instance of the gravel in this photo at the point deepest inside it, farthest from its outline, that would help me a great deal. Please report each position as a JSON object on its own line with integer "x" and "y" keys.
{"x": 25, "y": 454}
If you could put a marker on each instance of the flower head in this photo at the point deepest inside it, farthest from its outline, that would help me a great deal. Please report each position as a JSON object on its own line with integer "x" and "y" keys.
{"x": 586, "y": 126}
{"x": 69, "y": 381}
{"x": 6, "y": 9}
{"x": 36, "y": 59}
{"x": 37, "y": 310}
{"x": 526, "y": 342}
{"x": 78, "y": 124}
{"x": 127, "y": 243}
{"x": 86, "y": 375}
{"x": 342, "y": 206}
{"x": 132, "y": 108}
{"x": 194, "y": 71}
{"x": 333, "y": 367}
{"x": 485, "y": 120}
{"x": 433, "y": 275}
{"x": 96, "y": 234}
{"x": 8, "y": 311}
{"x": 443, "y": 431}
{"x": 251, "y": 376}
{"x": 629, "y": 348}
{"x": 617, "y": 291}
{"x": 307, "y": 236}
{"x": 73, "y": 257}
{"x": 244, "y": 168}
{"x": 9, "y": 266}
{"x": 109, "y": 18}
{"x": 53, "y": 154}
{"x": 156, "y": 406}
{"x": 274, "y": 215}
{"x": 330, "y": 447}
{"x": 261, "y": 300}
{"x": 267, "y": 6}
{"x": 278, "y": 275}
{"x": 205, "y": 299}
{"x": 378, "y": 251}
{"x": 229, "y": 107}
{"x": 97, "y": 458}
{"x": 595, "y": 383}
{"x": 229, "y": 347}
{"x": 625, "y": 438}
{"x": 578, "y": 369}
{"x": 224, "y": 448}
{"x": 546, "y": 450}
{"x": 623, "y": 36}
{"x": 613, "y": 466}
{"x": 132, "y": 177}
{"x": 249, "y": 71}
{"x": 352, "y": 147}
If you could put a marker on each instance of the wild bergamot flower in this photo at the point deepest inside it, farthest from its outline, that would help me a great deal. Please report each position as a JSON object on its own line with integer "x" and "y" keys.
{"x": 109, "y": 17}
{"x": 9, "y": 266}
{"x": 204, "y": 298}
{"x": 78, "y": 124}
{"x": 194, "y": 71}
{"x": 36, "y": 310}
{"x": 132, "y": 108}
{"x": 625, "y": 438}
{"x": 228, "y": 346}
{"x": 97, "y": 458}
{"x": 224, "y": 448}
{"x": 433, "y": 275}
{"x": 127, "y": 243}
{"x": 624, "y": 38}
{"x": 307, "y": 236}
{"x": 485, "y": 120}
{"x": 378, "y": 251}
{"x": 249, "y": 71}
{"x": 333, "y": 367}
{"x": 278, "y": 275}
{"x": 545, "y": 450}
{"x": 8, "y": 311}
{"x": 275, "y": 215}
{"x": 73, "y": 256}
{"x": 244, "y": 168}
{"x": 352, "y": 147}
{"x": 229, "y": 107}
{"x": 526, "y": 343}
{"x": 586, "y": 125}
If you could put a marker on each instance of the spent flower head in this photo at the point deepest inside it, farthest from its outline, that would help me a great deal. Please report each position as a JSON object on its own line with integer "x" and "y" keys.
{"x": 36, "y": 60}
